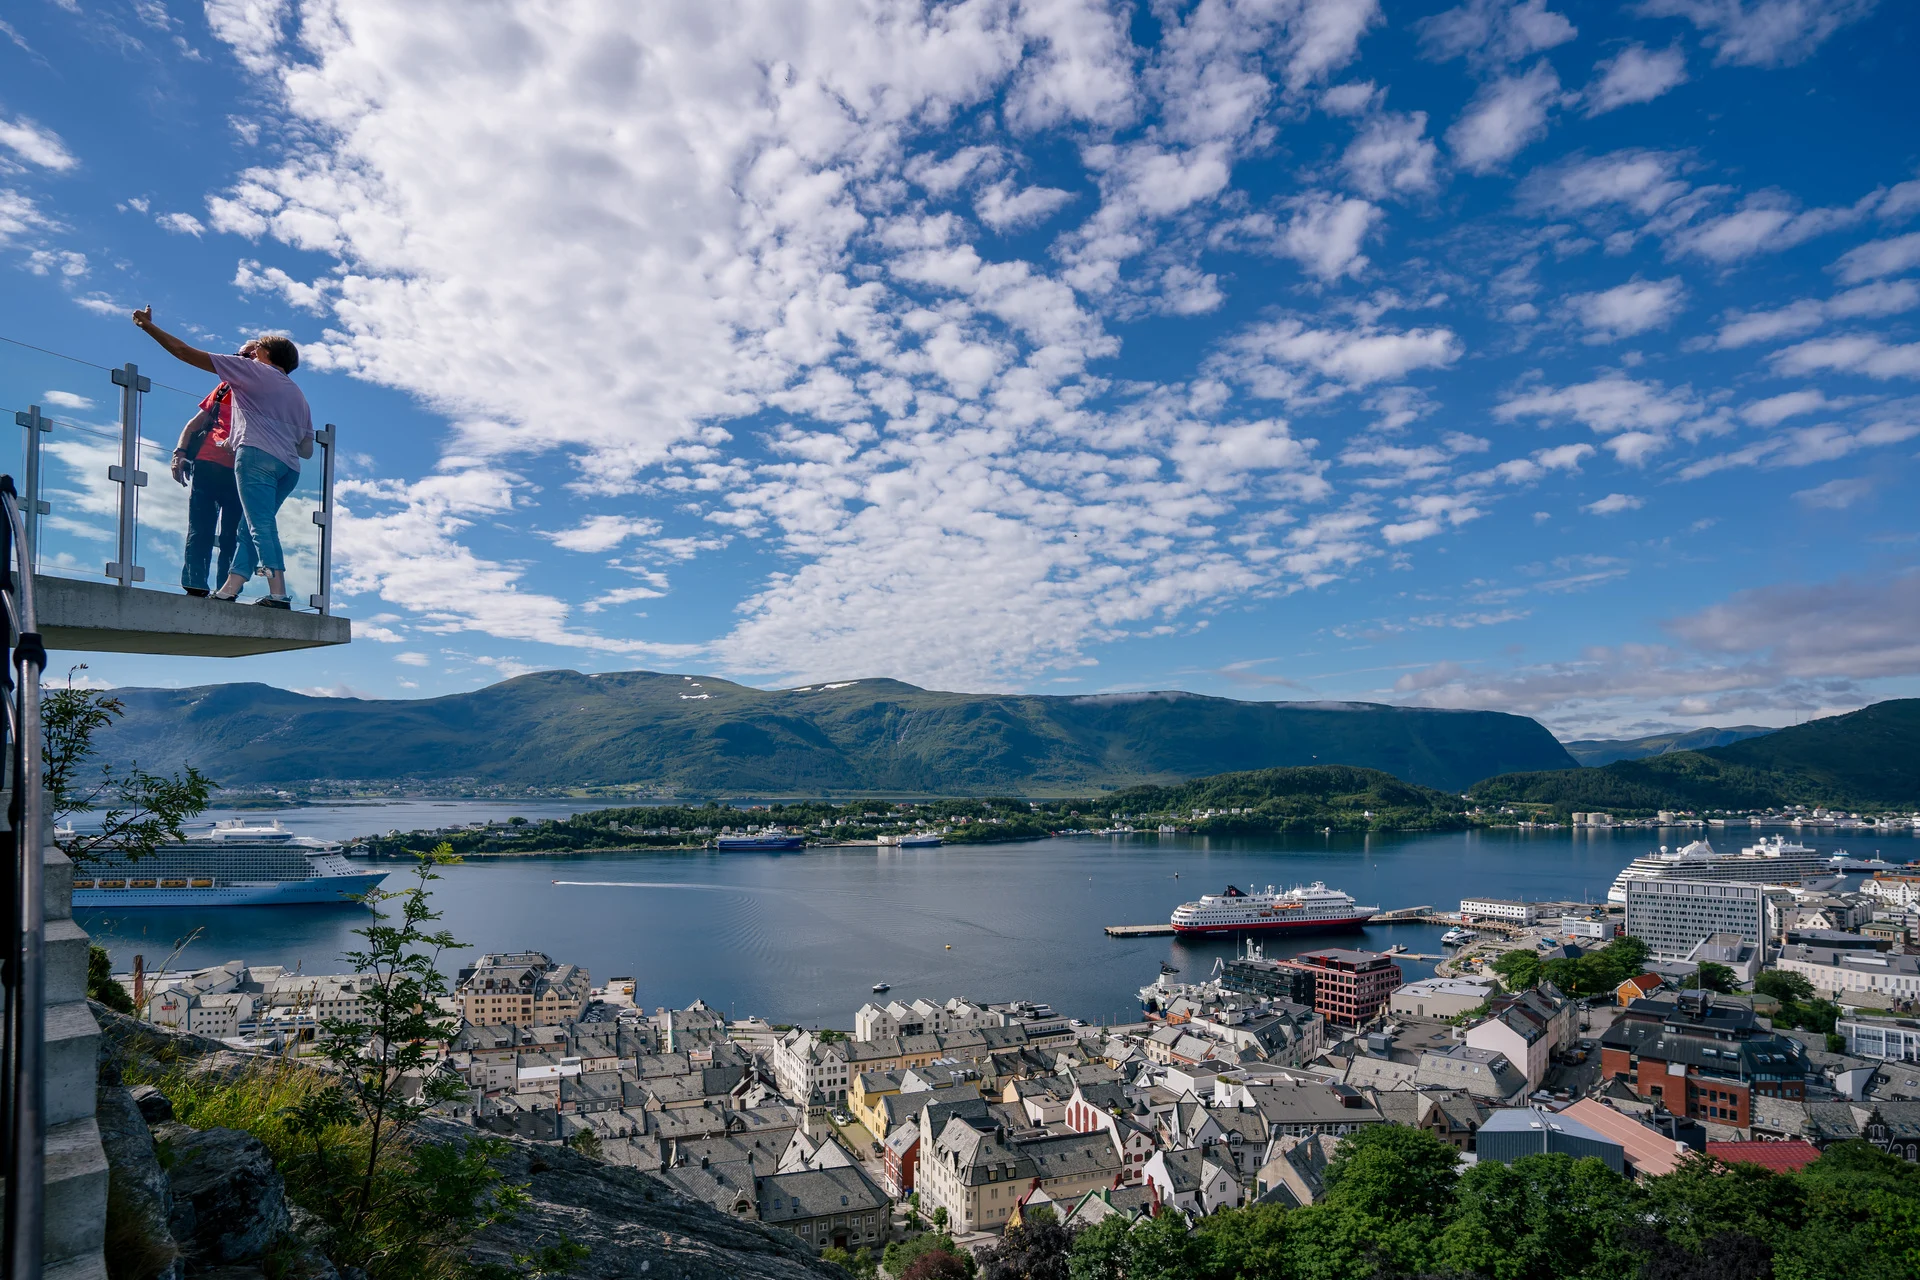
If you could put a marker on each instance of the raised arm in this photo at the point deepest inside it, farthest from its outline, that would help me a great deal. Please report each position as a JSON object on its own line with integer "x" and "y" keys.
{"x": 176, "y": 348}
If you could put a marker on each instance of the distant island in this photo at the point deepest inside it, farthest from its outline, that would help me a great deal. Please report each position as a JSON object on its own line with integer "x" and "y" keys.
{"x": 1259, "y": 802}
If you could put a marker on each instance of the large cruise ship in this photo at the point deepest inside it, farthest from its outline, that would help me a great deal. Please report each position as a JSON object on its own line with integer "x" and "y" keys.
{"x": 1314, "y": 907}
{"x": 237, "y": 864}
{"x": 1775, "y": 860}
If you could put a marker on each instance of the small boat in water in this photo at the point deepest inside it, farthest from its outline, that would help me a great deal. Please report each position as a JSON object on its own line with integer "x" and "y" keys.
{"x": 1168, "y": 969}
{"x": 1457, "y": 937}
{"x": 878, "y": 987}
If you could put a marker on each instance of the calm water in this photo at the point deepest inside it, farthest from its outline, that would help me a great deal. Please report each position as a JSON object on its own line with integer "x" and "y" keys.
{"x": 801, "y": 937}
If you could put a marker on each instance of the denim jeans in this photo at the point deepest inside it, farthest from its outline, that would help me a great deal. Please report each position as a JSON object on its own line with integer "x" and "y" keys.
{"x": 264, "y": 483}
{"x": 214, "y": 499}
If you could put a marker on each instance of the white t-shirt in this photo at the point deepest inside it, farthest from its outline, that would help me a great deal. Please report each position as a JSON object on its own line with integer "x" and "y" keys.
{"x": 269, "y": 412}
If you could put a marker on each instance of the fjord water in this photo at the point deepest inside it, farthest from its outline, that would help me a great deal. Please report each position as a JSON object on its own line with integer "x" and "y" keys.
{"x": 801, "y": 937}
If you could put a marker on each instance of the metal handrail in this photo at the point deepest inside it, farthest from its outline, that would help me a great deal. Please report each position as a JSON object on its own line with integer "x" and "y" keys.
{"x": 22, "y": 969}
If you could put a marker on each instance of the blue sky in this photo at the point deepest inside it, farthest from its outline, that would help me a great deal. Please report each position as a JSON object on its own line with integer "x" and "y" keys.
{"x": 1554, "y": 358}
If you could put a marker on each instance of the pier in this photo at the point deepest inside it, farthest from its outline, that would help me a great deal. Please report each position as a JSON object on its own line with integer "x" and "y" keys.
{"x": 1139, "y": 930}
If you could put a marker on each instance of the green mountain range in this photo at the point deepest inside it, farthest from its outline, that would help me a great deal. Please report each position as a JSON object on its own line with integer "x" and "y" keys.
{"x": 1594, "y": 752}
{"x": 698, "y": 736}
{"x": 1868, "y": 759}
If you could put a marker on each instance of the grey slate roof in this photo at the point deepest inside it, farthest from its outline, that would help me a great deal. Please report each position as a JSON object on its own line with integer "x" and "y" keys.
{"x": 817, "y": 1193}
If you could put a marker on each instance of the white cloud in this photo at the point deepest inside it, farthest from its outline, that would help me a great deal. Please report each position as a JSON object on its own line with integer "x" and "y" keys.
{"x": 1806, "y": 447}
{"x": 1636, "y": 74}
{"x": 603, "y": 533}
{"x": 1762, "y": 33}
{"x": 66, "y": 400}
{"x": 1289, "y": 359}
{"x": 1766, "y": 222}
{"x": 1835, "y": 495}
{"x": 620, "y": 596}
{"x": 1862, "y": 353}
{"x": 1004, "y": 209}
{"x": 1638, "y": 418}
{"x": 1883, "y": 298}
{"x": 1326, "y": 232}
{"x": 1494, "y": 31}
{"x": 181, "y": 224}
{"x": 251, "y": 277}
{"x": 413, "y": 659}
{"x": 1628, "y": 309}
{"x": 1879, "y": 258}
{"x": 1505, "y": 116}
{"x": 35, "y": 144}
{"x": 1614, "y": 503}
{"x": 1391, "y": 156}
{"x": 251, "y": 28}
{"x": 1431, "y": 514}
{"x": 1775, "y": 410}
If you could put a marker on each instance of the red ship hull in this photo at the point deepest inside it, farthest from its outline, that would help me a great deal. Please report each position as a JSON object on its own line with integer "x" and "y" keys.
{"x": 1267, "y": 926}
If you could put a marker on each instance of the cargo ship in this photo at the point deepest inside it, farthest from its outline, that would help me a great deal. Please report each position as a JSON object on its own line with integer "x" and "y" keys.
{"x": 236, "y": 864}
{"x": 1301, "y": 909}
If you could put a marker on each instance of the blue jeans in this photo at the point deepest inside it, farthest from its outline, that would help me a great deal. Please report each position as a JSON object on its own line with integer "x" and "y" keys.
{"x": 264, "y": 483}
{"x": 214, "y": 499}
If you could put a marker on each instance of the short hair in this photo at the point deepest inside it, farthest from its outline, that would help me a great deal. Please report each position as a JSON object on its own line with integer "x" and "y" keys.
{"x": 281, "y": 351}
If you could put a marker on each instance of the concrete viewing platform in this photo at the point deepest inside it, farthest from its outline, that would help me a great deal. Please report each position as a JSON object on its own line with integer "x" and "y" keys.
{"x": 104, "y": 617}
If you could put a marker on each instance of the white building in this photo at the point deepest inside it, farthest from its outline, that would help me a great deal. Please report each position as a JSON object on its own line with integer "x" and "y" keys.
{"x": 1194, "y": 1179}
{"x": 804, "y": 1065}
{"x": 1843, "y": 973}
{"x": 1439, "y": 997}
{"x": 1585, "y": 927}
{"x": 1894, "y": 890}
{"x": 1890, "y": 1039}
{"x": 1510, "y": 910}
{"x": 1674, "y": 916}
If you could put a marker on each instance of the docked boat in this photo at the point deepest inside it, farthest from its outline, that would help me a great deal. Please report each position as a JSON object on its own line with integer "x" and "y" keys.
{"x": 1847, "y": 864}
{"x": 1168, "y": 969}
{"x": 772, "y": 839}
{"x": 1310, "y": 908}
{"x": 1457, "y": 937}
{"x": 1775, "y": 860}
{"x": 236, "y": 864}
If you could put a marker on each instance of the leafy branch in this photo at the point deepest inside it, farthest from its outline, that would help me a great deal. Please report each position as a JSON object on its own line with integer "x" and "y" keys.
{"x": 136, "y": 812}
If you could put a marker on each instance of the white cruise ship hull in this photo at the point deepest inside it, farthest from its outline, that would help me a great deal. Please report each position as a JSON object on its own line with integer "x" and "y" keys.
{"x": 318, "y": 890}
{"x": 1268, "y": 925}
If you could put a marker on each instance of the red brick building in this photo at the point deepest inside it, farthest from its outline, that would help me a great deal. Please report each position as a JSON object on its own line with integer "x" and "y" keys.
{"x": 1349, "y": 987}
{"x": 1703, "y": 1060}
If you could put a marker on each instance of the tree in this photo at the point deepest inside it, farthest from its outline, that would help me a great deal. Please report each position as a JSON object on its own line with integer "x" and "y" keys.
{"x": 940, "y": 1217}
{"x": 900, "y": 1257}
{"x": 384, "y": 1060}
{"x": 128, "y": 815}
{"x": 1518, "y": 969}
{"x": 1713, "y": 977}
{"x": 100, "y": 983}
{"x": 1034, "y": 1250}
{"x": 1542, "y": 1217}
{"x": 1784, "y": 985}
{"x": 1389, "y": 1171}
{"x": 936, "y": 1265}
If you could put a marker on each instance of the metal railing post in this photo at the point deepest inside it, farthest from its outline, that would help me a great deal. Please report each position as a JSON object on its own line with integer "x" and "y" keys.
{"x": 33, "y": 506}
{"x": 323, "y": 599}
{"x": 128, "y": 474}
{"x": 25, "y": 1221}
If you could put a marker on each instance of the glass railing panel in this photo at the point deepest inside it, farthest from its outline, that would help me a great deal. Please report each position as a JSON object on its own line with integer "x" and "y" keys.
{"x": 79, "y": 405}
{"x": 161, "y": 507}
{"x": 300, "y": 536}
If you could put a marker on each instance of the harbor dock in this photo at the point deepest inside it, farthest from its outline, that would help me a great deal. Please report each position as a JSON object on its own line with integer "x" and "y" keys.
{"x": 1139, "y": 930}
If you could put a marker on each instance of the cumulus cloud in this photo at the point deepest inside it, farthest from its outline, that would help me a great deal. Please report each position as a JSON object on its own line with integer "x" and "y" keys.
{"x": 603, "y": 533}
{"x": 1628, "y": 309}
{"x": 1003, "y": 208}
{"x": 1762, "y": 33}
{"x": 1862, "y": 353}
{"x": 181, "y": 224}
{"x": 1636, "y": 74}
{"x": 1507, "y": 115}
{"x": 1614, "y": 503}
{"x": 1291, "y": 359}
{"x": 1325, "y": 233}
{"x": 1883, "y": 298}
{"x": 1835, "y": 495}
{"x": 1391, "y": 156}
{"x": 1638, "y": 418}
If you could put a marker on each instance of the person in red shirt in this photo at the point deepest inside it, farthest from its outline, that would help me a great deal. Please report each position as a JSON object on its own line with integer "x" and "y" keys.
{"x": 215, "y": 497}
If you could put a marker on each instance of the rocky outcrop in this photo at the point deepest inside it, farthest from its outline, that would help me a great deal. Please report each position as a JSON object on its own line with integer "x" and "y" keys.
{"x": 229, "y": 1202}
{"x": 635, "y": 1227}
{"x": 139, "y": 1193}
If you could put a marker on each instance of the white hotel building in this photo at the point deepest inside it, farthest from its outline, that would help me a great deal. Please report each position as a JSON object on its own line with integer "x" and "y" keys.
{"x": 1856, "y": 973}
{"x": 1507, "y": 910}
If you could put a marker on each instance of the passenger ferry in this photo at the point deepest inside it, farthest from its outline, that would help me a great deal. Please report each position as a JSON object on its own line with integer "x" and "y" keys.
{"x": 916, "y": 840}
{"x": 236, "y": 864}
{"x": 772, "y": 839}
{"x": 1775, "y": 860}
{"x": 1457, "y": 937}
{"x": 1314, "y": 907}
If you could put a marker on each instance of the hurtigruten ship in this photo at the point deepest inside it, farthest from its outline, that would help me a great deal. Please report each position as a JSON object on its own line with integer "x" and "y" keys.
{"x": 1775, "y": 860}
{"x": 237, "y": 864}
{"x": 1314, "y": 907}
